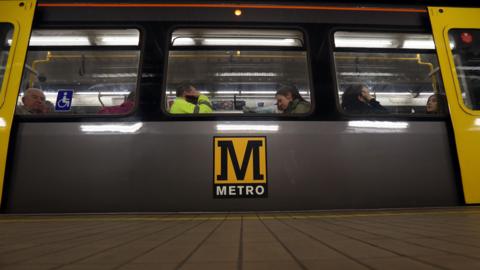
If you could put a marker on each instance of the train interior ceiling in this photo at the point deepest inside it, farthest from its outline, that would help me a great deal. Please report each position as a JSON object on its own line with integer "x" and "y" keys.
{"x": 238, "y": 67}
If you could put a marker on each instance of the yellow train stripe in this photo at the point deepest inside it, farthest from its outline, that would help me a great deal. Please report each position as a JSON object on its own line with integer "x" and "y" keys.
{"x": 235, "y": 217}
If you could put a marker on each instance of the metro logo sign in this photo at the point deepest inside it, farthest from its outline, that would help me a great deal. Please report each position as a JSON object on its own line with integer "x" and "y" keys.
{"x": 240, "y": 167}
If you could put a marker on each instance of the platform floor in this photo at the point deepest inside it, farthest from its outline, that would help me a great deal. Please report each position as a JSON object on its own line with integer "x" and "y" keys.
{"x": 446, "y": 238}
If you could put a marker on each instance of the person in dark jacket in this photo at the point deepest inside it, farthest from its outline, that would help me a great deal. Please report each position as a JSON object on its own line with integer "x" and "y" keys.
{"x": 289, "y": 100}
{"x": 357, "y": 99}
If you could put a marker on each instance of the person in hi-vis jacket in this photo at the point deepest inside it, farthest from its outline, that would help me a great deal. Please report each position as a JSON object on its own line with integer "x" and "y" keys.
{"x": 190, "y": 100}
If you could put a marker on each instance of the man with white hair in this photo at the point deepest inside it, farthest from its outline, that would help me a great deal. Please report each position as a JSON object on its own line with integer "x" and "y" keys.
{"x": 33, "y": 102}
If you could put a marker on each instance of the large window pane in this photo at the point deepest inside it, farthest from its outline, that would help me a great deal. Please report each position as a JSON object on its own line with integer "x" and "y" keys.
{"x": 97, "y": 78}
{"x": 400, "y": 77}
{"x": 465, "y": 44}
{"x": 240, "y": 77}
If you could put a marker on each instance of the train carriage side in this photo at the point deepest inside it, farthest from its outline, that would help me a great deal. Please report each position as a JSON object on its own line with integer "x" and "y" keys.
{"x": 107, "y": 141}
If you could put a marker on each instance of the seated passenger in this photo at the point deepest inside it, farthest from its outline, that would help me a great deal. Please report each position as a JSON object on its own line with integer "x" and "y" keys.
{"x": 49, "y": 106}
{"x": 436, "y": 104}
{"x": 33, "y": 102}
{"x": 289, "y": 100}
{"x": 357, "y": 99}
{"x": 189, "y": 100}
{"x": 123, "y": 108}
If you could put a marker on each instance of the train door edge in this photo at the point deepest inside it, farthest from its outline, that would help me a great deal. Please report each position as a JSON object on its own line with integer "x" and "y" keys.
{"x": 456, "y": 33}
{"x": 15, "y": 27}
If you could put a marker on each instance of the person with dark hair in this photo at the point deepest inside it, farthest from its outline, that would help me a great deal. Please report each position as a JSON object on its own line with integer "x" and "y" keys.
{"x": 290, "y": 101}
{"x": 357, "y": 99}
{"x": 436, "y": 104}
{"x": 190, "y": 100}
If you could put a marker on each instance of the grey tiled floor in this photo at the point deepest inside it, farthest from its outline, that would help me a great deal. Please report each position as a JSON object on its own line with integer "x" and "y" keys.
{"x": 397, "y": 239}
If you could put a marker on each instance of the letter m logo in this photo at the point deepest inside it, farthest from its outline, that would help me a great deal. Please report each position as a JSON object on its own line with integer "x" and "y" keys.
{"x": 240, "y": 160}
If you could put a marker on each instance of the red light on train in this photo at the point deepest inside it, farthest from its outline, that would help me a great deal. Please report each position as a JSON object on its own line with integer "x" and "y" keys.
{"x": 467, "y": 38}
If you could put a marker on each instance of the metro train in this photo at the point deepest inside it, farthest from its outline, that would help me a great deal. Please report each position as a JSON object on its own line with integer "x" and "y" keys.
{"x": 104, "y": 75}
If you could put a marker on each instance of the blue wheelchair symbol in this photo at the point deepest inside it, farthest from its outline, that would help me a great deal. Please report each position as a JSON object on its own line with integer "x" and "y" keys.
{"x": 64, "y": 100}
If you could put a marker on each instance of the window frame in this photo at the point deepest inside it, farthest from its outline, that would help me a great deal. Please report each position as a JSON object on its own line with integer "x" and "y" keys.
{"x": 239, "y": 116}
{"x": 457, "y": 81}
{"x": 80, "y": 117}
{"x": 332, "y": 49}
{"x": 8, "y": 66}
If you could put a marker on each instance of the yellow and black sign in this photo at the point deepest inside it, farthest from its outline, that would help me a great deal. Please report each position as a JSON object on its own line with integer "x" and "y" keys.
{"x": 240, "y": 167}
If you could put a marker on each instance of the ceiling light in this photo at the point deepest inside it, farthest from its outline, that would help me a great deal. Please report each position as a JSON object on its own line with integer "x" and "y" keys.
{"x": 59, "y": 41}
{"x": 232, "y": 127}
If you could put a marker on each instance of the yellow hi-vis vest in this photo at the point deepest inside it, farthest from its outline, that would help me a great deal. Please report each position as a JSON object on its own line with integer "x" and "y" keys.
{"x": 180, "y": 105}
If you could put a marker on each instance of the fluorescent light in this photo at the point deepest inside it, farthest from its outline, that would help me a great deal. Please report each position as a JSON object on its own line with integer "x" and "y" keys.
{"x": 259, "y": 92}
{"x": 241, "y": 42}
{"x": 183, "y": 41}
{"x": 233, "y": 127}
{"x": 119, "y": 41}
{"x": 246, "y": 74}
{"x": 394, "y": 94}
{"x": 419, "y": 44}
{"x": 467, "y": 68}
{"x": 363, "y": 43}
{"x": 59, "y": 41}
{"x": 120, "y": 128}
{"x": 227, "y": 92}
{"x": 477, "y": 122}
{"x": 114, "y": 75}
{"x": 235, "y": 42}
{"x": 2, "y": 122}
{"x": 378, "y": 124}
{"x": 116, "y": 93}
{"x": 377, "y": 74}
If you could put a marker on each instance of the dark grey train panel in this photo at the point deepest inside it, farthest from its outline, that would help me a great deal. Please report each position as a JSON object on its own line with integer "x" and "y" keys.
{"x": 225, "y": 14}
{"x": 168, "y": 166}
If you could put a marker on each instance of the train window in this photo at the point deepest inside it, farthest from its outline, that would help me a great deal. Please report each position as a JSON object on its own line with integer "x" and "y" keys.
{"x": 6, "y": 30}
{"x": 80, "y": 72}
{"x": 237, "y": 71}
{"x": 465, "y": 45}
{"x": 388, "y": 73}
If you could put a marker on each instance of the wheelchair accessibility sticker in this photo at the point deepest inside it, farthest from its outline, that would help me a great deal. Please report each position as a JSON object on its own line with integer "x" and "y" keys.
{"x": 240, "y": 167}
{"x": 64, "y": 100}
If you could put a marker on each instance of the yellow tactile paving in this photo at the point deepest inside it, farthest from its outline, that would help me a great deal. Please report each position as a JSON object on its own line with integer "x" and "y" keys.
{"x": 6, "y": 218}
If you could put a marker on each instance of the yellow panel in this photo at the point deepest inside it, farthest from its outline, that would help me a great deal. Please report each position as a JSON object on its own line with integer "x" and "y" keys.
{"x": 466, "y": 122}
{"x": 240, "y": 167}
{"x": 20, "y": 15}
{"x": 238, "y": 151}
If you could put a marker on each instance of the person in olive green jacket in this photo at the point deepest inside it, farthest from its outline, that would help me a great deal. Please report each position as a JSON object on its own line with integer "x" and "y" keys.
{"x": 189, "y": 100}
{"x": 290, "y": 101}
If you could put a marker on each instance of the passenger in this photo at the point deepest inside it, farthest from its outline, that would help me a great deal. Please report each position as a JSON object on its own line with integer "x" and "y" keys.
{"x": 33, "y": 102}
{"x": 436, "y": 104}
{"x": 290, "y": 101}
{"x": 189, "y": 100}
{"x": 49, "y": 107}
{"x": 125, "y": 107}
{"x": 357, "y": 99}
